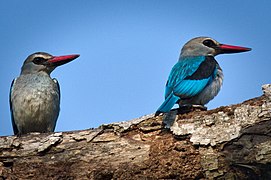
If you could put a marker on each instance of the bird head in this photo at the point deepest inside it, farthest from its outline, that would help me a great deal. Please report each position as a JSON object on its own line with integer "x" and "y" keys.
{"x": 42, "y": 61}
{"x": 206, "y": 46}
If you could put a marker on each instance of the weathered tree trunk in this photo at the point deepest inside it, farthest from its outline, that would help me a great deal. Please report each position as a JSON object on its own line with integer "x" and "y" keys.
{"x": 231, "y": 142}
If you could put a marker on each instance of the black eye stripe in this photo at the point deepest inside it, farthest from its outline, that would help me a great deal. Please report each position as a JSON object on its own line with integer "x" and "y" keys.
{"x": 39, "y": 60}
{"x": 209, "y": 43}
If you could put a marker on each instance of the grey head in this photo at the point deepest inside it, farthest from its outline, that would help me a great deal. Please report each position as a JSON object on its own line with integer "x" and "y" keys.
{"x": 42, "y": 61}
{"x": 206, "y": 46}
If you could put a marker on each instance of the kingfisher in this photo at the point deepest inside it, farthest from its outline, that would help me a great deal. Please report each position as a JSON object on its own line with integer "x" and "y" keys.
{"x": 197, "y": 77}
{"x": 35, "y": 96}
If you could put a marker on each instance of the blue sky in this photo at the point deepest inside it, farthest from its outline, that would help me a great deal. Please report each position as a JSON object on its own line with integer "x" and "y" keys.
{"x": 127, "y": 50}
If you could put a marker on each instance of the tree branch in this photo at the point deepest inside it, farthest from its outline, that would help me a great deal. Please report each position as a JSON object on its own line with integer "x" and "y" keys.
{"x": 231, "y": 142}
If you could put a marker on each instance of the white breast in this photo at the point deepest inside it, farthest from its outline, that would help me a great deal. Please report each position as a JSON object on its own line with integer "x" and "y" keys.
{"x": 35, "y": 103}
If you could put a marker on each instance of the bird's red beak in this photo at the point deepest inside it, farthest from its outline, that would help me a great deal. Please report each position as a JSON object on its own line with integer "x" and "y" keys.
{"x": 60, "y": 60}
{"x": 224, "y": 48}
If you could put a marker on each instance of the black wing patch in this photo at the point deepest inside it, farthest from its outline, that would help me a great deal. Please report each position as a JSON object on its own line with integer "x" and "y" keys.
{"x": 58, "y": 87}
{"x": 205, "y": 70}
{"x": 15, "y": 128}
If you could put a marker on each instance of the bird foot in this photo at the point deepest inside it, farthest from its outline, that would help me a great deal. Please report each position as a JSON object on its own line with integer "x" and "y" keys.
{"x": 186, "y": 108}
{"x": 157, "y": 113}
{"x": 199, "y": 107}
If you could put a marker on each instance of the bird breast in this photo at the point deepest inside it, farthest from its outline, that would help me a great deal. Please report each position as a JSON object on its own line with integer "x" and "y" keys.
{"x": 37, "y": 101}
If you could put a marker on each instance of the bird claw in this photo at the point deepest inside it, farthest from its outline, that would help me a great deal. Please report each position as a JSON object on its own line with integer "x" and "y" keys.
{"x": 191, "y": 107}
{"x": 199, "y": 107}
{"x": 157, "y": 113}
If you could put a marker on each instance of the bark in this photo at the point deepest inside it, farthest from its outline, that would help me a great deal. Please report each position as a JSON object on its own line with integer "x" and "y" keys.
{"x": 231, "y": 142}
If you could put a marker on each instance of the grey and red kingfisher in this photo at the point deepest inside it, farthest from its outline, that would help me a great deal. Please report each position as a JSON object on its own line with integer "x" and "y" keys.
{"x": 197, "y": 77}
{"x": 35, "y": 96}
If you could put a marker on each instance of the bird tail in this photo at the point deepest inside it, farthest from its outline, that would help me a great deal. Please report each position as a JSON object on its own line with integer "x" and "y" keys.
{"x": 167, "y": 104}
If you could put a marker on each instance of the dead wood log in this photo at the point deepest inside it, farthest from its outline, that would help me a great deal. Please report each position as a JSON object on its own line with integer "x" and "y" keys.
{"x": 231, "y": 142}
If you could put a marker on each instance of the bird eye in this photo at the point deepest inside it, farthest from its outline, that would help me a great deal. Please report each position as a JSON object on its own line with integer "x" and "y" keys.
{"x": 39, "y": 60}
{"x": 209, "y": 43}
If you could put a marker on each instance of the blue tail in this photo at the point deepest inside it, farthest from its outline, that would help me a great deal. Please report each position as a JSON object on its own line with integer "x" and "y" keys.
{"x": 167, "y": 104}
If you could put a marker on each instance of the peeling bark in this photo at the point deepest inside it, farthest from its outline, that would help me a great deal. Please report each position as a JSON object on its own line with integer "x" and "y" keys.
{"x": 231, "y": 142}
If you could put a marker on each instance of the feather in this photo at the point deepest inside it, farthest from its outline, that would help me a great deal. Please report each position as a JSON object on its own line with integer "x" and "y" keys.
{"x": 167, "y": 104}
{"x": 15, "y": 128}
{"x": 188, "y": 77}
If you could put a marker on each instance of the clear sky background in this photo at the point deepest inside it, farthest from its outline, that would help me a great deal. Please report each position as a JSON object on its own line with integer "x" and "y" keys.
{"x": 127, "y": 50}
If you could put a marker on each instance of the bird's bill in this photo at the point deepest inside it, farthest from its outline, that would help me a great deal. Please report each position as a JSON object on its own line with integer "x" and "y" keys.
{"x": 60, "y": 60}
{"x": 224, "y": 48}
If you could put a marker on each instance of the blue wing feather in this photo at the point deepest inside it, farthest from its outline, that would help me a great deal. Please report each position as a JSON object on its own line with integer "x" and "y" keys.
{"x": 183, "y": 68}
{"x": 177, "y": 86}
{"x": 189, "y": 88}
{"x": 167, "y": 104}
